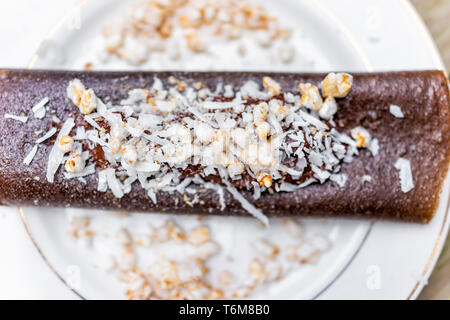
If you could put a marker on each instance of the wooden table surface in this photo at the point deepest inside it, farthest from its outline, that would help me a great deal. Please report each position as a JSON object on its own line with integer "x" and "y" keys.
{"x": 436, "y": 14}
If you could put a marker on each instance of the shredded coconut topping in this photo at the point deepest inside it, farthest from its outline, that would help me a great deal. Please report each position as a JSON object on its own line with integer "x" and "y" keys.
{"x": 175, "y": 134}
{"x": 361, "y": 136}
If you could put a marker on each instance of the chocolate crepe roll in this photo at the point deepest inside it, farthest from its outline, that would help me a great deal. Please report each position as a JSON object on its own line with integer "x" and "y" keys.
{"x": 370, "y": 145}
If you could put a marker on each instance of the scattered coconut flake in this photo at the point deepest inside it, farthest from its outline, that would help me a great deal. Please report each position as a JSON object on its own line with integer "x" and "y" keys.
{"x": 220, "y": 193}
{"x": 55, "y": 119}
{"x": 14, "y": 117}
{"x": 374, "y": 147}
{"x": 30, "y": 156}
{"x": 266, "y": 248}
{"x": 288, "y": 187}
{"x": 39, "y": 108}
{"x": 56, "y": 155}
{"x": 306, "y": 183}
{"x": 322, "y": 175}
{"x": 366, "y": 178}
{"x": 40, "y": 113}
{"x": 46, "y": 136}
{"x": 85, "y": 172}
{"x": 220, "y": 105}
{"x": 90, "y": 119}
{"x": 257, "y": 213}
{"x": 396, "y": 111}
{"x": 405, "y": 174}
{"x": 340, "y": 179}
{"x": 113, "y": 183}
{"x": 177, "y": 278}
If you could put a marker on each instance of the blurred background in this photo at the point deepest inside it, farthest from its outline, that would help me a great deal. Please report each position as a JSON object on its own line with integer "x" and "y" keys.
{"x": 436, "y": 14}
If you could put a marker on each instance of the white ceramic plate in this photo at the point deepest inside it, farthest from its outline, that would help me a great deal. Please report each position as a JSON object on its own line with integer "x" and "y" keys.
{"x": 367, "y": 259}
